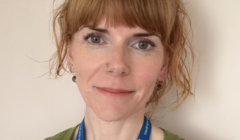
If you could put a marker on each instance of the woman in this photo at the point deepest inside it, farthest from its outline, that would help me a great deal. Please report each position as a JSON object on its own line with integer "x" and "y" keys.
{"x": 123, "y": 54}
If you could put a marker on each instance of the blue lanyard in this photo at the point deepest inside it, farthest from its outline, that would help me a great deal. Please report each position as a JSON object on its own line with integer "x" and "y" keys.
{"x": 144, "y": 134}
{"x": 80, "y": 135}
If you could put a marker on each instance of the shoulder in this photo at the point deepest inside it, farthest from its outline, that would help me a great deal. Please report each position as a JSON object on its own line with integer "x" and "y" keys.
{"x": 64, "y": 135}
{"x": 169, "y": 136}
{"x": 162, "y": 134}
{"x": 157, "y": 133}
{"x": 67, "y": 135}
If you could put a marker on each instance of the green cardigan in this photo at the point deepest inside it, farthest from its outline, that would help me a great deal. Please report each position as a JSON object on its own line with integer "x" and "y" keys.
{"x": 67, "y": 135}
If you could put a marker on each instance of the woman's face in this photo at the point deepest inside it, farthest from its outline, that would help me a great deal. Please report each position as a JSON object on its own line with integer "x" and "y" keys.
{"x": 116, "y": 68}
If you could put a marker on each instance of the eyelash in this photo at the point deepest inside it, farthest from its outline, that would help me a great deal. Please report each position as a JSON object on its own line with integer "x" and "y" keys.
{"x": 150, "y": 42}
{"x": 95, "y": 34}
{"x": 90, "y": 35}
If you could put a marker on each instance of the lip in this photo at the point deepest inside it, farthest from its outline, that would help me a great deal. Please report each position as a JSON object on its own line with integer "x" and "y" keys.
{"x": 114, "y": 92}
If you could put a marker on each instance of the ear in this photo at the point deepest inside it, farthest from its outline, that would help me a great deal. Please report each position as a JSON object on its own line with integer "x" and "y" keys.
{"x": 70, "y": 63}
{"x": 164, "y": 70}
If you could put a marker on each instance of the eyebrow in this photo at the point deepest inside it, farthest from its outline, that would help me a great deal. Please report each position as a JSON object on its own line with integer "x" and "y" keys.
{"x": 135, "y": 35}
{"x": 143, "y": 34}
{"x": 100, "y": 30}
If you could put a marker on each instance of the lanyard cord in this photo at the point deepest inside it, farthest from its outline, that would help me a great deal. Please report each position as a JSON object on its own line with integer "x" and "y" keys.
{"x": 144, "y": 134}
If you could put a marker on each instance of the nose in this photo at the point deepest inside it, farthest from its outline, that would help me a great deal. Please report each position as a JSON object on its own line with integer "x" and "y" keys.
{"x": 118, "y": 62}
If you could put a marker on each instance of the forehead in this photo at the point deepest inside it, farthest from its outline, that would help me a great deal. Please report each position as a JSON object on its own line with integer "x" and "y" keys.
{"x": 130, "y": 13}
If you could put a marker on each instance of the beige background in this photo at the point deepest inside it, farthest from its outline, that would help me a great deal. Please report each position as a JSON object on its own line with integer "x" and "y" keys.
{"x": 34, "y": 107}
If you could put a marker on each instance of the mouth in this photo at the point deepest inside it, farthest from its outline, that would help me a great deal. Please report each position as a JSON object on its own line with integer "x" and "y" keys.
{"x": 113, "y": 92}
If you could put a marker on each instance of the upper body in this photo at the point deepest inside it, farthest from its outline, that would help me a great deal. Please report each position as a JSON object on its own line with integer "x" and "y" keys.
{"x": 70, "y": 134}
{"x": 123, "y": 55}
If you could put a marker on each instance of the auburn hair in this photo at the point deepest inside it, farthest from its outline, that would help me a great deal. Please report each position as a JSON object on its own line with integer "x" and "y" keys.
{"x": 165, "y": 17}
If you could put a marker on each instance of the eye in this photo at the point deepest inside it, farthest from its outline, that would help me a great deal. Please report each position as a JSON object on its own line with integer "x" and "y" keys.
{"x": 144, "y": 44}
{"x": 94, "y": 38}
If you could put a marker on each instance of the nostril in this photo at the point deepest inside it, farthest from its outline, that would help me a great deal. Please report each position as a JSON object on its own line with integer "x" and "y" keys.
{"x": 117, "y": 68}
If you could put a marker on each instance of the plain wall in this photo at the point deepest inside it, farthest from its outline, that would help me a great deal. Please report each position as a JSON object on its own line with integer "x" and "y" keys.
{"x": 32, "y": 106}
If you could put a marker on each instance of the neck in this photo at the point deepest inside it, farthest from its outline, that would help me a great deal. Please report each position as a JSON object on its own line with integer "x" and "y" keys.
{"x": 127, "y": 128}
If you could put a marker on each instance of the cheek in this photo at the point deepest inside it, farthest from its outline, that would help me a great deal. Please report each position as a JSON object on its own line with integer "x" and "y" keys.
{"x": 82, "y": 66}
{"x": 88, "y": 66}
{"x": 147, "y": 71}
{"x": 85, "y": 62}
{"x": 146, "y": 74}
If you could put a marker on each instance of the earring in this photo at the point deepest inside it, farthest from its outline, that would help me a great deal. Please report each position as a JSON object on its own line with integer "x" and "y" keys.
{"x": 74, "y": 78}
{"x": 159, "y": 85}
{"x": 70, "y": 67}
